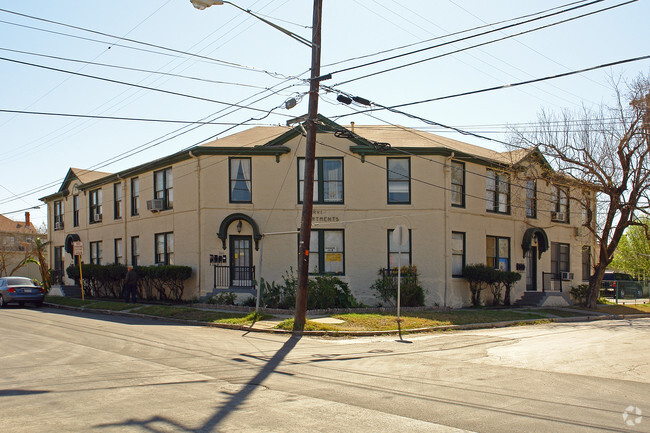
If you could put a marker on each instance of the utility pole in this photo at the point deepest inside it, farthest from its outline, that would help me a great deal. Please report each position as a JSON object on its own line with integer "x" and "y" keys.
{"x": 308, "y": 190}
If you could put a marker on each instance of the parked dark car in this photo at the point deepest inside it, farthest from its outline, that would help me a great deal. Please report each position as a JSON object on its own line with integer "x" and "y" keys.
{"x": 20, "y": 290}
{"x": 622, "y": 284}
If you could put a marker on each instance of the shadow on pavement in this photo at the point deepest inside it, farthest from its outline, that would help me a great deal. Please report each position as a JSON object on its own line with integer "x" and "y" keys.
{"x": 236, "y": 399}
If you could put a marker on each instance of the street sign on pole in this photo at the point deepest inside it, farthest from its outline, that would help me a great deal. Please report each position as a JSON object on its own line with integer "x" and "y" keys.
{"x": 77, "y": 248}
{"x": 78, "y": 251}
{"x": 400, "y": 237}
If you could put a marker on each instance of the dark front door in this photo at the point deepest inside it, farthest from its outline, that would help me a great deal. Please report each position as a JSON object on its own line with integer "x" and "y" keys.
{"x": 241, "y": 261}
{"x": 531, "y": 269}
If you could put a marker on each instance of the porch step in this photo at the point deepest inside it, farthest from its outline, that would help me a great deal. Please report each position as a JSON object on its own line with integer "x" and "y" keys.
{"x": 543, "y": 299}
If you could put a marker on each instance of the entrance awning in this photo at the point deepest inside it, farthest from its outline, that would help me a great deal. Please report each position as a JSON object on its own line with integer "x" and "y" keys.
{"x": 542, "y": 240}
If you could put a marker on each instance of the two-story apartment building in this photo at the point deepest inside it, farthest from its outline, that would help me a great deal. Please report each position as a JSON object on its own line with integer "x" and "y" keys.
{"x": 231, "y": 210}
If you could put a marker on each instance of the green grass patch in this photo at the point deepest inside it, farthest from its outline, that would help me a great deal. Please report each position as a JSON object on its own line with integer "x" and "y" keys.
{"x": 287, "y": 325}
{"x": 110, "y": 305}
{"x": 557, "y": 312}
{"x": 71, "y": 302}
{"x": 413, "y": 320}
{"x": 624, "y": 309}
{"x": 187, "y": 313}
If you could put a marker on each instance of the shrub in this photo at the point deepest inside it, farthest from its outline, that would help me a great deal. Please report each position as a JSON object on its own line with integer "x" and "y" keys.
{"x": 323, "y": 292}
{"x": 411, "y": 292}
{"x": 223, "y": 298}
{"x": 508, "y": 279}
{"x": 477, "y": 276}
{"x": 328, "y": 291}
{"x": 155, "y": 282}
{"x": 579, "y": 293}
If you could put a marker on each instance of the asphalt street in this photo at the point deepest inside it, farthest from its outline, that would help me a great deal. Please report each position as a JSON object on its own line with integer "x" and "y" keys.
{"x": 63, "y": 371}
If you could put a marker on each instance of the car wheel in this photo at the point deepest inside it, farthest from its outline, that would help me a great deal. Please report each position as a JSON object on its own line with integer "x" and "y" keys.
{"x": 2, "y": 302}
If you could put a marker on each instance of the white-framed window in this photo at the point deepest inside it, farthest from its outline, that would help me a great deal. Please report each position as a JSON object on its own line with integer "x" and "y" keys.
{"x": 164, "y": 248}
{"x": 457, "y": 253}
{"x": 96, "y": 253}
{"x": 327, "y": 252}
{"x": 119, "y": 250}
{"x": 75, "y": 210}
{"x": 95, "y": 205}
{"x": 394, "y": 256}
{"x": 117, "y": 200}
{"x": 458, "y": 183}
{"x": 135, "y": 250}
{"x": 399, "y": 180}
{"x": 135, "y": 196}
{"x": 531, "y": 198}
{"x": 560, "y": 205}
{"x": 560, "y": 255}
{"x": 240, "y": 180}
{"x": 163, "y": 185}
{"x": 497, "y": 192}
{"x": 328, "y": 180}
{"x": 58, "y": 215}
{"x": 498, "y": 252}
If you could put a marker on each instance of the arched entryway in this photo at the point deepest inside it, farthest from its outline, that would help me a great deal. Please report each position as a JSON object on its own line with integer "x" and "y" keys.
{"x": 533, "y": 244}
{"x": 238, "y": 272}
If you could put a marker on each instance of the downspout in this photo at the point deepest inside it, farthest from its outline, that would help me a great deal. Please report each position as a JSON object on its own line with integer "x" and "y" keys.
{"x": 447, "y": 234}
{"x": 125, "y": 214}
{"x": 198, "y": 216}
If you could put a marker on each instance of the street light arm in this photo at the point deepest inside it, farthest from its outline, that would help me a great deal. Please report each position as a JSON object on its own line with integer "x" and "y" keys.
{"x": 275, "y": 26}
{"x": 202, "y": 4}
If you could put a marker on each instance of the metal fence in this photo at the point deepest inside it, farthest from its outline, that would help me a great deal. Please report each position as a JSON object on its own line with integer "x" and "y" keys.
{"x": 551, "y": 282}
{"x": 226, "y": 277}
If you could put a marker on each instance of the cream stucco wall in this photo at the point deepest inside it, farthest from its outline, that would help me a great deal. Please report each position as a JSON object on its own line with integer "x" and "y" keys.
{"x": 201, "y": 202}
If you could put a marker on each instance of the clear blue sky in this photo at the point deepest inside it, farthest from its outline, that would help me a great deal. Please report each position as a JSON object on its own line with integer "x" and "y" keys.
{"x": 37, "y": 150}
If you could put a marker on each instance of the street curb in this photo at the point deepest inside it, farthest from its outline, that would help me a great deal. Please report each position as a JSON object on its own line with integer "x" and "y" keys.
{"x": 469, "y": 326}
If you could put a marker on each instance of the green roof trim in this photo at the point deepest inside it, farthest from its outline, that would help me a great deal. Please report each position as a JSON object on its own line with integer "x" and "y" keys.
{"x": 442, "y": 151}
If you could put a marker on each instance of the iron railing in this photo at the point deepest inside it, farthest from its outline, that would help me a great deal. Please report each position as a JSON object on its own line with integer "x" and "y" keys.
{"x": 226, "y": 277}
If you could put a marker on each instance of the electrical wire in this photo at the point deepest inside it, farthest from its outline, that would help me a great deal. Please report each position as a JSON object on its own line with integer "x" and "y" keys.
{"x": 153, "y": 89}
{"x": 126, "y": 68}
{"x": 471, "y": 46}
{"x": 490, "y": 89}
{"x": 450, "y": 34}
{"x": 136, "y": 119}
{"x": 172, "y": 50}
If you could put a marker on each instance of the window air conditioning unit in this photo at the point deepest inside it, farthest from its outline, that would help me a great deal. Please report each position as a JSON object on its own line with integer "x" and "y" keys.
{"x": 558, "y": 216}
{"x": 58, "y": 225}
{"x": 97, "y": 217}
{"x": 567, "y": 276}
{"x": 155, "y": 205}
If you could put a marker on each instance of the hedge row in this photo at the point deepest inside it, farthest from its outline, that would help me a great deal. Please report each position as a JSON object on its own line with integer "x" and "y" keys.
{"x": 162, "y": 283}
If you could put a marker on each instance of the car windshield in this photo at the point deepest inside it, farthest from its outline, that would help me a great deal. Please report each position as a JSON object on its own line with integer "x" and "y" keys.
{"x": 19, "y": 281}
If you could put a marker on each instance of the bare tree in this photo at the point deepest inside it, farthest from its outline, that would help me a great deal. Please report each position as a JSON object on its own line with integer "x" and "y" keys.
{"x": 603, "y": 156}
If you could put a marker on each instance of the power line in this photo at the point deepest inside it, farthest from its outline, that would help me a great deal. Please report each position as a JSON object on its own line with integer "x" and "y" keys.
{"x": 476, "y": 45}
{"x": 452, "y": 34}
{"x": 136, "y": 119}
{"x": 490, "y": 89}
{"x": 153, "y": 89}
{"x": 126, "y": 68}
{"x": 185, "y": 53}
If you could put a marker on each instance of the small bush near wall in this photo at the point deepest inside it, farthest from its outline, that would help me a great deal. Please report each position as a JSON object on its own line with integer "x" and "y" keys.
{"x": 480, "y": 276}
{"x": 579, "y": 293}
{"x": 162, "y": 283}
{"x": 411, "y": 292}
{"x": 323, "y": 292}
